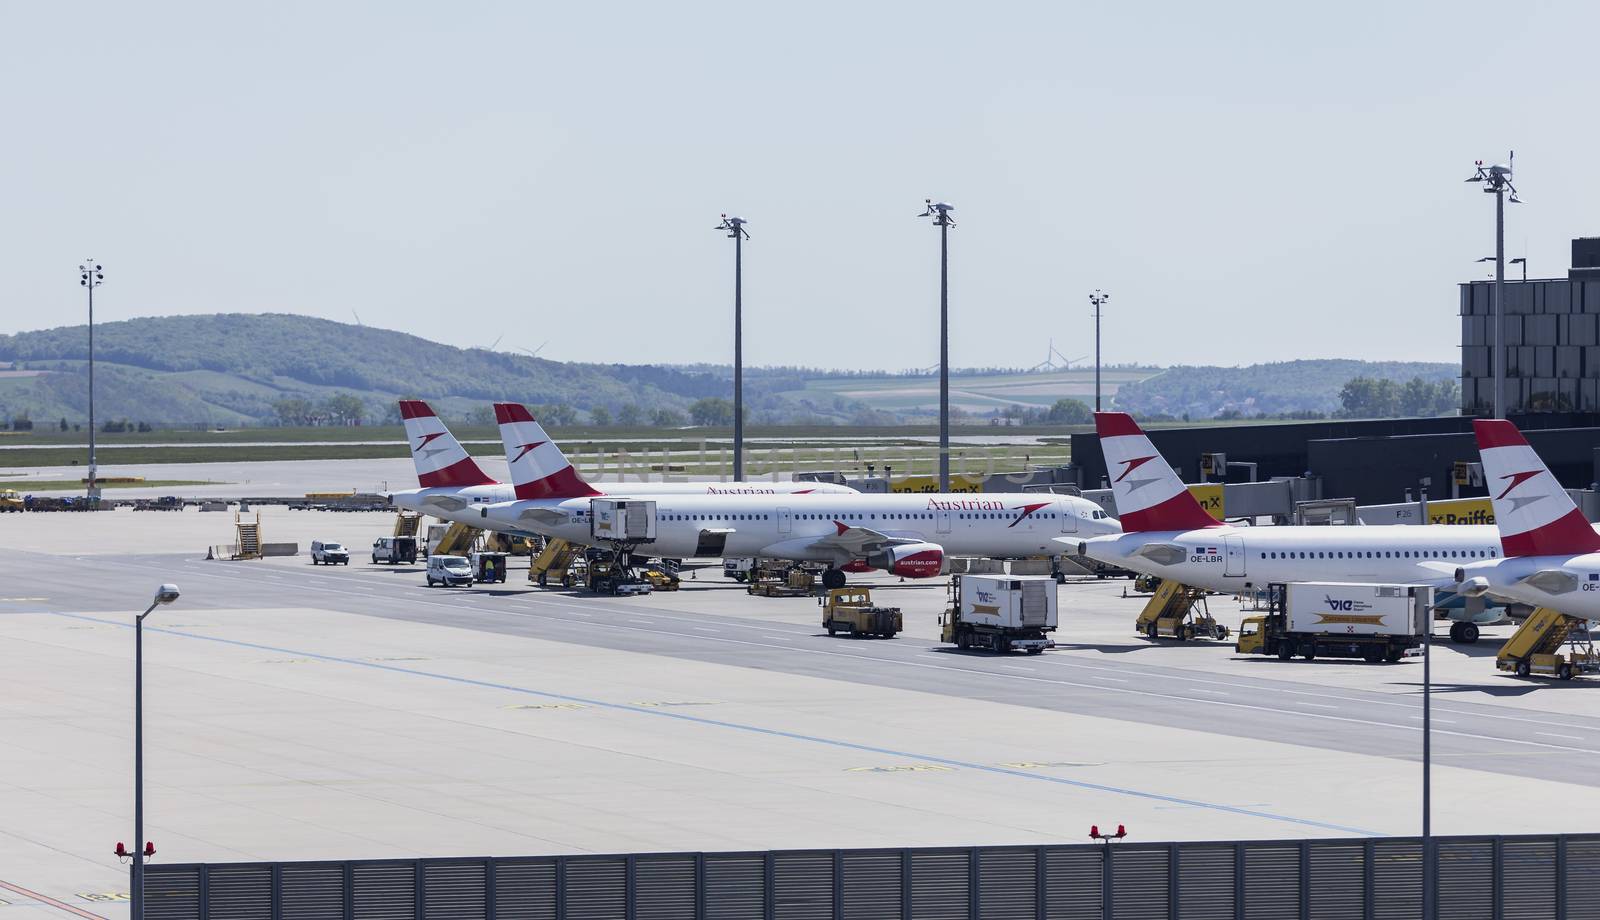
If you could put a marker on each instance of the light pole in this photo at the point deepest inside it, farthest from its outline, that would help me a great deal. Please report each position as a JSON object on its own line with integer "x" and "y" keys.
{"x": 1522, "y": 262}
{"x": 1497, "y": 181}
{"x": 1098, "y": 299}
{"x": 1429, "y": 865}
{"x": 940, "y": 212}
{"x": 91, "y": 278}
{"x": 736, "y": 231}
{"x": 165, "y": 594}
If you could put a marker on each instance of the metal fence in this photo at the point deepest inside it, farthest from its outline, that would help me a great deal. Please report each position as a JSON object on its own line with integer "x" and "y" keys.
{"x": 1555, "y": 877}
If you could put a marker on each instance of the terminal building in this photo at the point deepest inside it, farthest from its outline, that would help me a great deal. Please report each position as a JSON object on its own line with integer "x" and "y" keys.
{"x": 1551, "y": 340}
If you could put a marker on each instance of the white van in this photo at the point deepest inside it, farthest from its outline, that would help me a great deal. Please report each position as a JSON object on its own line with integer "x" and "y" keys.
{"x": 449, "y": 570}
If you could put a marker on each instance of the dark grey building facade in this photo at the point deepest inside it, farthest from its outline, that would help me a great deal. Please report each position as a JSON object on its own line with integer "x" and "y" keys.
{"x": 1551, "y": 339}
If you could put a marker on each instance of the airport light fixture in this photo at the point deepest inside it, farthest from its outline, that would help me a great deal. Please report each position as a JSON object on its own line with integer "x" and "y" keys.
{"x": 142, "y": 849}
{"x": 90, "y": 277}
{"x": 940, "y": 212}
{"x": 1522, "y": 262}
{"x": 1497, "y": 182}
{"x": 734, "y": 226}
{"x": 1098, "y": 299}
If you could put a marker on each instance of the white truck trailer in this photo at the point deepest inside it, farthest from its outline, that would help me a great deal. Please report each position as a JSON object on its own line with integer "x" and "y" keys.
{"x": 622, "y": 520}
{"x": 1374, "y": 622}
{"x": 1001, "y": 612}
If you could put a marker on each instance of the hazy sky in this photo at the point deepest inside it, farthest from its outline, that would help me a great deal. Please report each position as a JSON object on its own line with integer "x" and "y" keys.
{"x": 1249, "y": 181}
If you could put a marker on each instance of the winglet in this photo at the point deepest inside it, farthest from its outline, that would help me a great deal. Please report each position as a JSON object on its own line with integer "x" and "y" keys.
{"x": 1149, "y": 494}
{"x": 1535, "y": 514}
{"x": 440, "y": 459}
{"x": 538, "y": 467}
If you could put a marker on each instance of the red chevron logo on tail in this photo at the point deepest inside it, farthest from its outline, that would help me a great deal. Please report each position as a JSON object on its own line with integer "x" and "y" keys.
{"x": 526, "y": 448}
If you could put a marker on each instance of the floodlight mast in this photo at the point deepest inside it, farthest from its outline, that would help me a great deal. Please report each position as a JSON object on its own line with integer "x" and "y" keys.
{"x": 1099, "y": 300}
{"x": 940, "y": 212}
{"x": 90, "y": 277}
{"x": 734, "y": 226}
{"x": 1497, "y": 182}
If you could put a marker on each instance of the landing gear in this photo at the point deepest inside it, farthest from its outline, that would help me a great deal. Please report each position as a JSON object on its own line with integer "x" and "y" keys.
{"x": 1464, "y": 633}
{"x": 833, "y": 579}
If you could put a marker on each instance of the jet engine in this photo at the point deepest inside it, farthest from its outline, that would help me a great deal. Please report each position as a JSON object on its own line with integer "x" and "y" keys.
{"x": 911, "y": 560}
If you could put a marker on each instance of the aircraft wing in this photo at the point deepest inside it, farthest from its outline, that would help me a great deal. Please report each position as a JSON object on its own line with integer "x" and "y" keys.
{"x": 858, "y": 541}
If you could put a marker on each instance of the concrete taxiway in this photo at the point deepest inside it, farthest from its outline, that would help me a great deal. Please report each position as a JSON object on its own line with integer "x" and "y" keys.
{"x": 301, "y": 712}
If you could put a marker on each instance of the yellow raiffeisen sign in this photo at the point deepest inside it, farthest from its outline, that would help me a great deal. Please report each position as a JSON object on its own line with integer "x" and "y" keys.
{"x": 931, "y": 484}
{"x": 1461, "y": 511}
{"x": 1209, "y": 495}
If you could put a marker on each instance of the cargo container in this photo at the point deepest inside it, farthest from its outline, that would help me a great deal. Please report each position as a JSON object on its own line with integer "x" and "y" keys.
{"x": 1001, "y": 612}
{"x": 1374, "y": 622}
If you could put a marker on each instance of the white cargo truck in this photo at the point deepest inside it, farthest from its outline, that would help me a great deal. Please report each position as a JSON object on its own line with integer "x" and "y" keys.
{"x": 1374, "y": 622}
{"x": 1001, "y": 612}
{"x": 622, "y": 520}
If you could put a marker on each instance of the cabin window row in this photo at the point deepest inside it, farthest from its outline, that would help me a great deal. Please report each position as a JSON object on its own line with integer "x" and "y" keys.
{"x": 1006, "y": 516}
{"x": 1384, "y": 554}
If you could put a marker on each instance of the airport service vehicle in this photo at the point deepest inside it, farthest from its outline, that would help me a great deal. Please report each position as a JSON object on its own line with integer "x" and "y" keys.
{"x": 1001, "y": 612}
{"x": 451, "y": 483}
{"x": 1551, "y": 553}
{"x": 852, "y": 612}
{"x": 1166, "y": 533}
{"x": 394, "y": 550}
{"x": 1177, "y": 611}
{"x": 328, "y": 553}
{"x": 1339, "y": 620}
{"x": 489, "y": 567}
{"x": 449, "y": 570}
{"x": 10, "y": 500}
{"x": 906, "y": 534}
{"x": 737, "y": 568}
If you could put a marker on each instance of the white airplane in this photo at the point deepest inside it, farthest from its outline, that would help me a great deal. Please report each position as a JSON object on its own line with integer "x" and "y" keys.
{"x": 1168, "y": 534}
{"x": 1552, "y": 554}
{"x": 452, "y": 483}
{"x": 906, "y": 534}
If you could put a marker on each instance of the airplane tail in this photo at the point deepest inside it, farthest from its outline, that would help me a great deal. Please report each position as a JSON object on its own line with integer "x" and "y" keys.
{"x": 1535, "y": 514}
{"x": 440, "y": 458}
{"x": 538, "y": 467}
{"x": 1149, "y": 494}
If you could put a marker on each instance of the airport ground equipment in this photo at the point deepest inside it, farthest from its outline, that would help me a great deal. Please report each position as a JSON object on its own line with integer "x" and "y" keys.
{"x": 406, "y": 523}
{"x": 611, "y": 573}
{"x": 1179, "y": 612}
{"x": 447, "y": 570}
{"x": 508, "y": 543}
{"x": 1372, "y": 622}
{"x": 1000, "y": 612}
{"x": 623, "y": 523}
{"x": 1536, "y": 647}
{"x": 781, "y": 580}
{"x": 248, "y": 536}
{"x": 661, "y": 577}
{"x": 457, "y": 540}
{"x": 10, "y": 500}
{"x": 737, "y": 568}
{"x": 852, "y": 612}
{"x": 394, "y": 550}
{"x": 489, "y": 566}
{"x": 553, "y": 563}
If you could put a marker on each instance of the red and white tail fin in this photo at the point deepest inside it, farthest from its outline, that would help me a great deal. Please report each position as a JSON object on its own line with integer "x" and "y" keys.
{"x": 538, "y": 467}
{"x": 1535, "y": 514}
{"x": 1149, "y": 494}
{"x": 440, "y": 458}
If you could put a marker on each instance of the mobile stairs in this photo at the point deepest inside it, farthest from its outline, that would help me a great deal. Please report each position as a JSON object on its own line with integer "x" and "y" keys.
{"x": 553, "y": 563}
{"x": 1537, "y": 647}
{"x": 1177, "y": 611}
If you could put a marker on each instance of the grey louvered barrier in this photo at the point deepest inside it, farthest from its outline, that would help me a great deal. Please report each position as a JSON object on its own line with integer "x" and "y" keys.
{"x": 1553, "y": 877}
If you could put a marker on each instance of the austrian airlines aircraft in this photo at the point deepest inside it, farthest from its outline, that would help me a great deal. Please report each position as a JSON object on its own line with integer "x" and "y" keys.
{"x": 452, "y": 482}
{"x": 908, "y": 534}
{"x": 1552, "y": 554}
{"x": 1168, "y": 534}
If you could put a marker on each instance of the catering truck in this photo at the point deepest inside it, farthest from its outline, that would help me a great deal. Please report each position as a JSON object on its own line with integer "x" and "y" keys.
{"x": 1001, "y": 612}
{"x": 1374, "y": 622}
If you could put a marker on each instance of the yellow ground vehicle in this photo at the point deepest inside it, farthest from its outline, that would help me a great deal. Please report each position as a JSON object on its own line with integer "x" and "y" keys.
{"x": 1178, "y": 612}
{"x": 851, "y": 611}
{"x": 660, "y": 577}
{"x": 1535, "y": 648}
{"x": 786, "y": 581}
{"x": 10, "y": 500}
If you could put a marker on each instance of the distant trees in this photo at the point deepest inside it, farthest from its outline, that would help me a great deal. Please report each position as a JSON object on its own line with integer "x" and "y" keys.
{"x": 1371, "y": 397}
{"x": 630, "y": 416}
{"x": 1068, "y": 412}
{"x": 599, "y": 415}
{"x": 666, "y": 418}
{"x": 339, "y": 409}
{"x": 712, "y": 410}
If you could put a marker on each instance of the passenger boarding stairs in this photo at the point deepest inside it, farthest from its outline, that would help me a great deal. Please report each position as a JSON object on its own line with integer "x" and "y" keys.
{"x": 458, "y": 540}
{"x": 407, "y": 523}
{"x": 552, "y": 564}
{"x": 1535, "y": 648}
{"x": 249, "y": 536}
{"x": 1179, "y": 612}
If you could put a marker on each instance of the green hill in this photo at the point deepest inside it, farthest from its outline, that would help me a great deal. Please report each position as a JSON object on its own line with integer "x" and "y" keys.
{"x": 1279, "y": 388}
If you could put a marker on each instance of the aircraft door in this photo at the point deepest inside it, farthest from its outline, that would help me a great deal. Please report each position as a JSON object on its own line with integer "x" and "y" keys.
{"x": 785, "y": 520}
{"x": 944, "y": 521}
{"x": 1235, "y": 561}
{"x": 1068, "y": 515}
